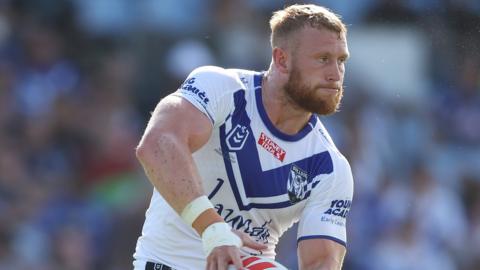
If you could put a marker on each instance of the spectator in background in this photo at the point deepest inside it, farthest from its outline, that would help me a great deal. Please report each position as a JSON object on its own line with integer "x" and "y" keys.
{"x": 52, "y": 151}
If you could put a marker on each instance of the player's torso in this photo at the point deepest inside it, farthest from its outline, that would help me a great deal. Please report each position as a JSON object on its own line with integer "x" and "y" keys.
{"x": 257, "y": 177}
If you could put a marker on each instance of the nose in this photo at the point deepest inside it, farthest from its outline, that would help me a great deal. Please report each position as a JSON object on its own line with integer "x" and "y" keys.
{"x": 334, "y": 74}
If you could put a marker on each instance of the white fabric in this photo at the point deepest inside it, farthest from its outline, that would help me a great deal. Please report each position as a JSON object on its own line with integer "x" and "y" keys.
{"x": 259, "y": 180}
{"x": 139, "y": 265}
{"x": 219, "y": 234}
{"x": 194, "y": 208}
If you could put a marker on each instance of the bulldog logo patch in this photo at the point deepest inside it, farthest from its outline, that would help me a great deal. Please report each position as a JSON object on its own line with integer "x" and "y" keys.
{"x": 297, "y": 184}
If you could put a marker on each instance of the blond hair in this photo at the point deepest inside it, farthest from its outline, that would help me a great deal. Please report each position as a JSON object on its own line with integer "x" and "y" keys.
{"x": 292, "y": 18}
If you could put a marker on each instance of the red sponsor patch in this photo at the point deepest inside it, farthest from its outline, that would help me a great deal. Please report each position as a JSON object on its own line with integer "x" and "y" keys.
{"x": 271, "y": 147}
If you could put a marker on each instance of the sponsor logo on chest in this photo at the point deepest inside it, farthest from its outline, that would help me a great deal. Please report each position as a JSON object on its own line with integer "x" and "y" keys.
{"x": 273, "y": 148}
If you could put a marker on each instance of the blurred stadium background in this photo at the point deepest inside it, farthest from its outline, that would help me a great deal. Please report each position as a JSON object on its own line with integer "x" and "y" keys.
{"x": 78, "y": 79}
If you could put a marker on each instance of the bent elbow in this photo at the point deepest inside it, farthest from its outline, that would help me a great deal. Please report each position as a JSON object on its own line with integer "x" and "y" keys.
{"x": 152, "y": 145}
{"x": 140, "y": 150}
{"x": 146, "y": 146}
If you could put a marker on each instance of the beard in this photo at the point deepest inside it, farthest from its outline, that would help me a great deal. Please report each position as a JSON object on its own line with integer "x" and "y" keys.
{"x": 309, "y": 98}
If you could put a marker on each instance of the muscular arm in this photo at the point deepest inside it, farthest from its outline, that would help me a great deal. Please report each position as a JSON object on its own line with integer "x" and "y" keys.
{"x": 320, "y": 254}
{"x": 176, "y": 130}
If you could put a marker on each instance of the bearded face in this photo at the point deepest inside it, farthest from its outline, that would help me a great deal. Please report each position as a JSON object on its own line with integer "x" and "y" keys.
{"x": 312, "y": 98}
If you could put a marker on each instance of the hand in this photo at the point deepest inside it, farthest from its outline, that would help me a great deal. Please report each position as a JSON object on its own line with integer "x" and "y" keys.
{"x": 222, "y": 256}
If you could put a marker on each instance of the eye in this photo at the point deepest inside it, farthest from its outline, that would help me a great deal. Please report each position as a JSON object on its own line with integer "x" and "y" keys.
{"x": 342, "y": 60}
{"x": 323, "y": 59}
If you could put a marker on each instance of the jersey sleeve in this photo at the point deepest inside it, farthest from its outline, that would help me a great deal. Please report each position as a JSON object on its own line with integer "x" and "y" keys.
{"x": 210, "y": 89}
{"x": 327, "y": 207}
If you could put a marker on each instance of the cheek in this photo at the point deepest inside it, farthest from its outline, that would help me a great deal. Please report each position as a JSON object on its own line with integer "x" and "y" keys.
{"x": 342, "y": 71}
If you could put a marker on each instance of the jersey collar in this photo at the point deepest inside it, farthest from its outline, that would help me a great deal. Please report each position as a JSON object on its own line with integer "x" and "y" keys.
{"x": 257, "y": 81}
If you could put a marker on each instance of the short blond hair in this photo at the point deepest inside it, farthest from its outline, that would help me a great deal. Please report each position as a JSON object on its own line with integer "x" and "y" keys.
{"x": 295, "y": 17}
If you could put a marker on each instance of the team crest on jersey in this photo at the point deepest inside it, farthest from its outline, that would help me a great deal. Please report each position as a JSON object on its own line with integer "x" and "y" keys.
{"x": 297, "y": 184}
{"x": 237, "y": 137}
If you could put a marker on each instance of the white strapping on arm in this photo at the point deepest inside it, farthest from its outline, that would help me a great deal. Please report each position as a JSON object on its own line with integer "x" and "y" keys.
{"x": 216, "y": 234}
{"x": 196, "y": 207}
{"x": 219, "y": 234}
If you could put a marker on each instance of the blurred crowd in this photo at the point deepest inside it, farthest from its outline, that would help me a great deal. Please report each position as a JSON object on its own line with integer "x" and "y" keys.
{"x": 78, "y": 79}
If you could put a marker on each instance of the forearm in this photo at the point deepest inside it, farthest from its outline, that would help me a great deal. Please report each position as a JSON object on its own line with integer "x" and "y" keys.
{"x": 169, "y": 166}
{"x": 320, "y": 254}
{"x": 327, "y": 264}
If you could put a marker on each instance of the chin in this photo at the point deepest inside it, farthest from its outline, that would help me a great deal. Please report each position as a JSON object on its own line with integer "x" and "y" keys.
{"x": 326, "y": 111}
{"x": 325, "y": 106}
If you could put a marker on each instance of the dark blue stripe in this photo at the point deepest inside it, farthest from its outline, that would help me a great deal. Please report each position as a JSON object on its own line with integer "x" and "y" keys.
{"x": 256, "y": 182}
{"x": 257, "y": 80}
{"x": 228, "y": 167}
{"x": 334, "y": 239}
{"x": 263, "y": 114}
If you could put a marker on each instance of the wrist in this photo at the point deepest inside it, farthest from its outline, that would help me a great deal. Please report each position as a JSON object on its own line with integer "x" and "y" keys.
{"x": 195, "y": 208}
{"x": 219, "y": 234}
{"x": 199, "y": 214}
{"x": 207, "y": 218}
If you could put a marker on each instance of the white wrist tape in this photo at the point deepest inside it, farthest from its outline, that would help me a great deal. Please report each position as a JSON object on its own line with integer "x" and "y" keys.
{"x": 195, "y": 208}
{"x": 219, "y": 234}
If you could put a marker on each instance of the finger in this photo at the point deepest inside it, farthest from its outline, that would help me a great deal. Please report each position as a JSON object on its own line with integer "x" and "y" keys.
{"x": 209, "y": 264}
{"x": 235, "y": 256}
{"x": 248, "y": 242}
{"x": 222, "y": 264}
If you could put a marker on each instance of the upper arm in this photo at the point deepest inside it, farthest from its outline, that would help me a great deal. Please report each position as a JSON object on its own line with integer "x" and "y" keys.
{"x": 322, "y": 229}
{"x": 176, "y": 117}
{"x": 317, "y": 253}
{"x": 201, "y": 102}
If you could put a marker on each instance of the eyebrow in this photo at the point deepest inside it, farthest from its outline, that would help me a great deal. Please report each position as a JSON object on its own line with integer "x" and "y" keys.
{"x": 320, "y": 54}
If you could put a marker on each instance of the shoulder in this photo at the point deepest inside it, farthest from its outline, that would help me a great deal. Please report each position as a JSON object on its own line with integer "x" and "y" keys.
{"x": 342, "y": 172}
{"x": 211, "y": 76}
{"x": 212, "y": 90}
{"x": 209, "y": 84}
{"x": 213, "y": 71}
{"x": 341, "y": 163}
{"x": 340, "y": 179}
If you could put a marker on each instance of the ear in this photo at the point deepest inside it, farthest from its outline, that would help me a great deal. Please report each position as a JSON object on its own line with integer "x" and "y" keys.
{"x": 281, "y": 60}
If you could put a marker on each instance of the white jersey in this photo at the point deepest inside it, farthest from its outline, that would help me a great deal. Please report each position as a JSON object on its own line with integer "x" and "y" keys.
{"x": 260, "y": 180}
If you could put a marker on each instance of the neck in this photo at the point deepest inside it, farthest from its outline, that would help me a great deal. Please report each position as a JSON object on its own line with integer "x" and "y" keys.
{"x": 284, "y": 114}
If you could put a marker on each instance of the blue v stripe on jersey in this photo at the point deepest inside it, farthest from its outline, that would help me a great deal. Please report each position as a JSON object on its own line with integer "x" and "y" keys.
{"x": 256, "y": 182}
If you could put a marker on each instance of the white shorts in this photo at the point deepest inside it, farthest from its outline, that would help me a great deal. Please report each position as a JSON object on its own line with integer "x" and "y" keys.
{"x": 139, "y": 265}
{"x": 142, "y": 265}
